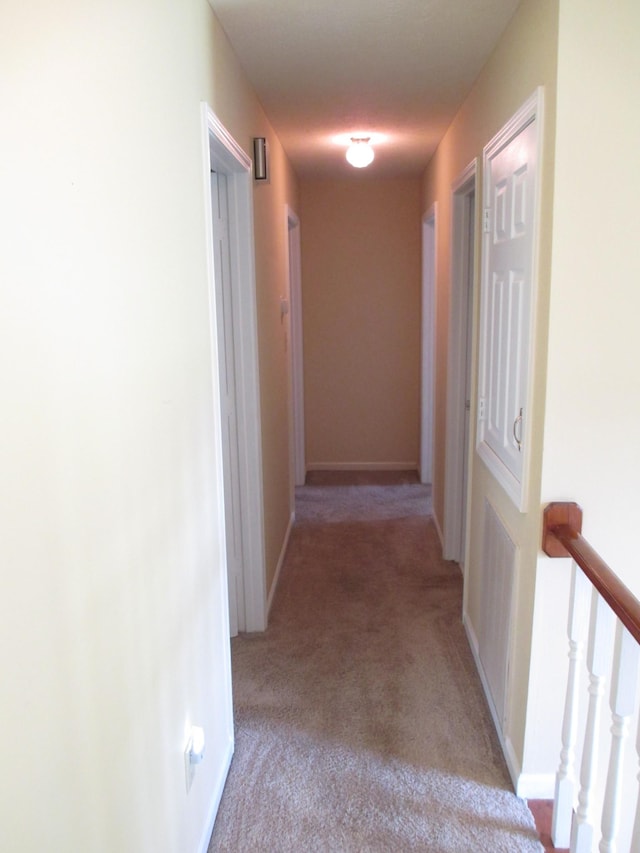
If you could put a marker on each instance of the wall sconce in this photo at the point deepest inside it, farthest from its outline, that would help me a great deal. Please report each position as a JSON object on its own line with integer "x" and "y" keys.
{"x": 260, "y": 172}
{"x": 360, "y": 152}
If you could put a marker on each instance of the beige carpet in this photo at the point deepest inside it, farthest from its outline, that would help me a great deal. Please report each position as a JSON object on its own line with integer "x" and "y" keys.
{"x": 360, "y": 720}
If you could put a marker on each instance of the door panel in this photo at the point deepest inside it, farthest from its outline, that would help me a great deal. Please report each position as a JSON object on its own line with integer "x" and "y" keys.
{"x": 506, "y": 306}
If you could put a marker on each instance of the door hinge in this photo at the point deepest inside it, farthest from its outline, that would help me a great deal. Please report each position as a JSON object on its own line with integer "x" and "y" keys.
{"x": 486, "y": 220}
{"x": 481, "y": 408}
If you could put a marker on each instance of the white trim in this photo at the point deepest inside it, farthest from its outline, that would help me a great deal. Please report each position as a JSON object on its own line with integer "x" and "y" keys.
{"x": 528, "y": 786}
{"x": 536, "y": 786}
{"x": 294, "y": 277}
{"x": 234, "y": 155}
{"x": 531, "y": 111}
{"x": 362, "y": 466}
{"x": 221, "y": 151}
{"x": 283, "y": 554}
{"x": 216, "y": 796}
{"x": 437, "y": 525}
{"x": 461, "y": 190}
{"x": 428, "y": 350}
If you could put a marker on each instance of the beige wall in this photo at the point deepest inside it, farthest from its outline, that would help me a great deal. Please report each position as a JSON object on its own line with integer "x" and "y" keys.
{"x": 361, "y": 315}
{"x": 592, "y": 411}
{"x": 592, "y": 424}
{"x": 272, "y": 283}
{"x": 112, "y": 624}
{"x": 524, "y": 59}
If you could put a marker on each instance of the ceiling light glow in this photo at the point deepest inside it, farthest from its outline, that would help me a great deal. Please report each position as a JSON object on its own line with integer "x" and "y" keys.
{"x": 360, "y": 152}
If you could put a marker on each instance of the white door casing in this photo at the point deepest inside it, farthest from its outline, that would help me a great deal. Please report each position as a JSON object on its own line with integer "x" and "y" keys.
{"x": 510, "y": 202}
{"x": 223, "y": 155}
{"x": 297, "y": 351}
{"x": 463, "y": 193}
{"x": 427, "y": 367}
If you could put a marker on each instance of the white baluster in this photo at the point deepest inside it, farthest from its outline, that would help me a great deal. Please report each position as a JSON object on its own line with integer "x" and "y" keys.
{"x": 566, "y": 784}
{"x": 623, "y": 699}
{"x": 598, "y": 661}
{"x": 635, "y": 838}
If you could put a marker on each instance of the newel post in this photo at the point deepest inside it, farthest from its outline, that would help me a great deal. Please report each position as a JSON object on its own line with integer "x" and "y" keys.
{"x": 564, "y": 515}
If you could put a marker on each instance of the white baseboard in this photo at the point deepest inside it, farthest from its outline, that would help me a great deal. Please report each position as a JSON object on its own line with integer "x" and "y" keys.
{"x": 438, "y": 530}
{"x": 536, "y": 786}
{"x": 283, "y": 552}
{"x": 215, "y": 799}
{"x": 362, "y": 466}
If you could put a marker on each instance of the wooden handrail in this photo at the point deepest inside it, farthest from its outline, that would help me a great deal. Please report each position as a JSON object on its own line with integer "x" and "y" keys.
{"x": 562, "y": 537}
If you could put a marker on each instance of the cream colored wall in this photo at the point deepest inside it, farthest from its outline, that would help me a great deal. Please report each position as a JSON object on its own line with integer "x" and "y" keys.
{"x": 592, "y": 424}
{"x": 113, "y": 632}
{"x": 524, "y": 59}
{"x": 592, "y": 410}
{"x": 361, "y": 314}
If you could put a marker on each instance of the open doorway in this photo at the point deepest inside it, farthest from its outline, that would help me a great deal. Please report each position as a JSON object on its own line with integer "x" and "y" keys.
{"x": 459, "y": 364}
{"x": 232, "y": 300}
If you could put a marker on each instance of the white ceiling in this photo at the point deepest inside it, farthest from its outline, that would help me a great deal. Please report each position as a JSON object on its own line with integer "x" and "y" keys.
{"x": 397, "y": 70}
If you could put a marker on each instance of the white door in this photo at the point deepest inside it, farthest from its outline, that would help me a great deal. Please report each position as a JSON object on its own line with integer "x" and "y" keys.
{"x": 225, "y": 310}
{"x": 506, "y": 302}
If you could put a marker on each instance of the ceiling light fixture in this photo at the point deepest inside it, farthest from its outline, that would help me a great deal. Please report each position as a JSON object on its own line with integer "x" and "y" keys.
{"x": 360, "y": 152}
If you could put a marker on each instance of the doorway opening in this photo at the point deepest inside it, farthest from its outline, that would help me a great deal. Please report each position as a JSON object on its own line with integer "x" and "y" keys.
{"x": 232, "y": 302}
{"x": 459, "y": 370}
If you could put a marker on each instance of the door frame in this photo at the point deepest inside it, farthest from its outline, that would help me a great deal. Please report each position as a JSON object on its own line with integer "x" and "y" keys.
{"x": 222, "y": 152}
{"x": 294, "y": 277}
{"x": 428, "y": 349}
{"x": 460, "y": 343}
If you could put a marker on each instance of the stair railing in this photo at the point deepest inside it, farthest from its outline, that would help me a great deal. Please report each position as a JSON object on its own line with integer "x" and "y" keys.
{"x": 605, "y": 616}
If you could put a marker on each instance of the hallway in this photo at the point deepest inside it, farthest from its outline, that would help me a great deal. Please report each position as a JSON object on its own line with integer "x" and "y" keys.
{"x": 360, "y": 719}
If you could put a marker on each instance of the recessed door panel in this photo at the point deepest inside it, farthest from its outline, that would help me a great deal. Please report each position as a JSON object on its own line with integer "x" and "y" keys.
{"x": 507, "y": 303}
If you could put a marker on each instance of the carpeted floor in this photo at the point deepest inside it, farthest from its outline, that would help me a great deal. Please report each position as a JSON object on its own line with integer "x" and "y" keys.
{"x": 360, "y": 720}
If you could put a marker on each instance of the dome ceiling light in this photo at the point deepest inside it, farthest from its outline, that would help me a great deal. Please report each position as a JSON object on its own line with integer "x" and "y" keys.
{"x": 360, "y": 152}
